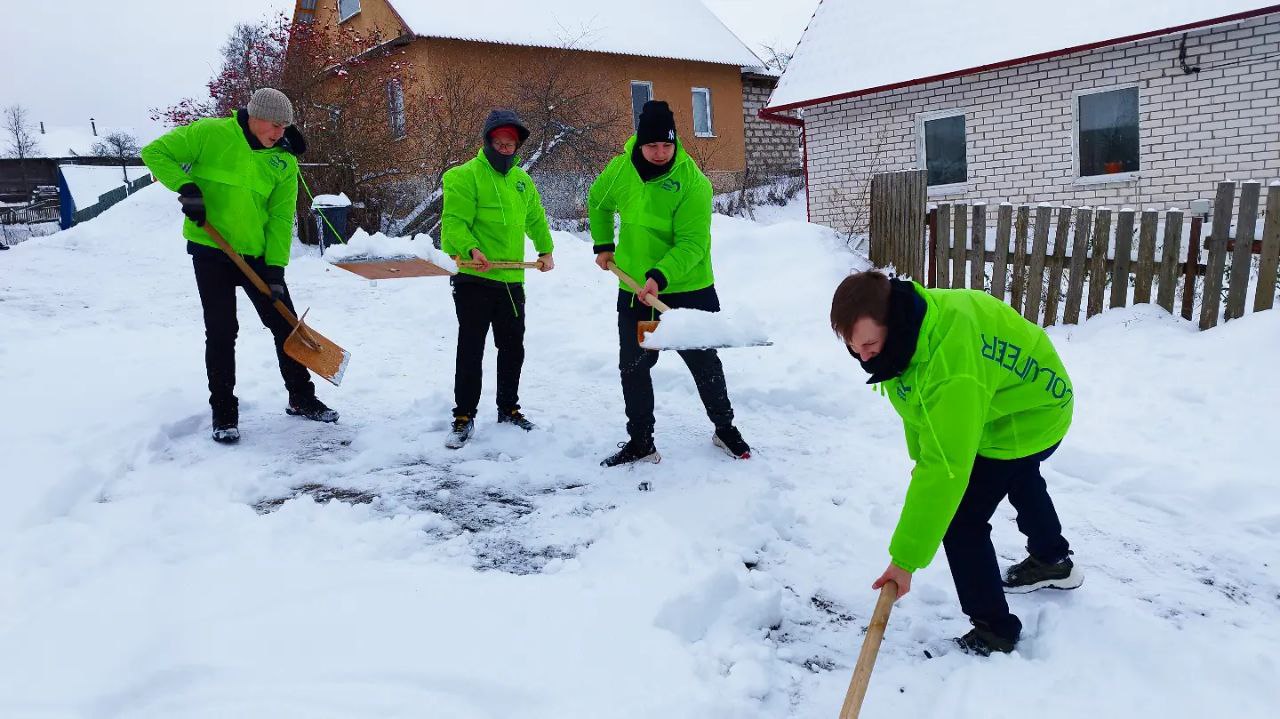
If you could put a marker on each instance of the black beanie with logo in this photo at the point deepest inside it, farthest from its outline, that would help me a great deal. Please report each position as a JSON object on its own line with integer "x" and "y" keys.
{"x": 656, "y": 124}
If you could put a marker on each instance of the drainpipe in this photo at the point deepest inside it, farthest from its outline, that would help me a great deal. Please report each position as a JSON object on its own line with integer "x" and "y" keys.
{"x": 768, "y": 116}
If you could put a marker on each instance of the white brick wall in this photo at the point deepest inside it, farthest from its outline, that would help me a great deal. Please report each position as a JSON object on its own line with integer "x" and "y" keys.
{"x": 1195, "y": 129}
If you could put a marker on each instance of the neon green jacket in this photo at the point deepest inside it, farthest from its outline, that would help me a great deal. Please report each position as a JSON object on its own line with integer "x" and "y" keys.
{"x": 983, "y": 381}
{"x": 249, "y": 194}
{"x": 486, "y": 209}
{"x": 666, "y": 222}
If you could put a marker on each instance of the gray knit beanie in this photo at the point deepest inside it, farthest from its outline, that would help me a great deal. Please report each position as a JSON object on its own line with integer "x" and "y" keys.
{"x": 271, "y": 105}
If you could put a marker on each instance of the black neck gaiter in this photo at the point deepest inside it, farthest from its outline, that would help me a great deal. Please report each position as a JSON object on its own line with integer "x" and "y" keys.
{"x": 647, "y": 169}
{"x": 500, "y": 162}
{"x": 906, "y": 314}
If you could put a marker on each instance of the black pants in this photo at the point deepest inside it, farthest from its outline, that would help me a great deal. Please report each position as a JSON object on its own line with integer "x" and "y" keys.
{"x": 217, "y": 279}
{"x": 635, "y": 362}
{"x": 968, "y": 539}
{"x": 479, "y": 305}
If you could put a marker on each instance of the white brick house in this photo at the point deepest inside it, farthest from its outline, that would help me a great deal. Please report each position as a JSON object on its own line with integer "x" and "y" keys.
{"x": 1142, "y": 103}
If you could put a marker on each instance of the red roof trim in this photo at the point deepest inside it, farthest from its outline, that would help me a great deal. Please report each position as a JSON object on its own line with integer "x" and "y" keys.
{"x": 1028, "y": 59}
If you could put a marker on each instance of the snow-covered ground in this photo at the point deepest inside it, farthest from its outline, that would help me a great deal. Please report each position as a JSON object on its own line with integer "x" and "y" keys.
{"x": 362, "y": 570}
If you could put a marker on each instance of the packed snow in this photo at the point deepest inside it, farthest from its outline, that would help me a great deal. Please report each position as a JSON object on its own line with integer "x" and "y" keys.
{"x": 363, "y": 570}
{"x": 364, "y": 246}
{"x": 684, "y": 329}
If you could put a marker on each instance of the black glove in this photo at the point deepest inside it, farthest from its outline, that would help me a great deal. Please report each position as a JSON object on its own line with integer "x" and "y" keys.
{"x": 192, "y": 203}
{"x": 277, "y": 293}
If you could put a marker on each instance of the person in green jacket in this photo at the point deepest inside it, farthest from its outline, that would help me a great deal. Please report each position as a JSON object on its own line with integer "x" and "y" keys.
{"x": 240, "y": 175}
{"x": 665, "y": 204}
{"x": 984, "y": 399}
{"x": 490, "y": 204}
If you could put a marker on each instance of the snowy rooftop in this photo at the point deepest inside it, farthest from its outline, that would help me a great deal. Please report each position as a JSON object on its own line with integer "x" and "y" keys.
{"x": 853, "y": 46}
{"x": 68, "y": 141}
{"x": 88, "y": 182}
{"x": 678, "y": 29}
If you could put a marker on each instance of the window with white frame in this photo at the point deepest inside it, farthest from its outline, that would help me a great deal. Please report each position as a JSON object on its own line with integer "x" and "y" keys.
{"x": 1106, "y": 132}
{"x": 641, "y": 92}
{"x": 395, "y": 108}
{"x": 941, "y": 143}
{"x": 702, "y": 112}
{"x": 347, "y": 8}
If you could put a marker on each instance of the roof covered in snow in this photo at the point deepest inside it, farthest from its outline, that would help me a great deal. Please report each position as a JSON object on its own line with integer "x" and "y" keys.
{"x": 856, "y": 46}
{"x": 67, "y": 141}
{"x": 677, "y": 29}
{"x": 89, "y": 182}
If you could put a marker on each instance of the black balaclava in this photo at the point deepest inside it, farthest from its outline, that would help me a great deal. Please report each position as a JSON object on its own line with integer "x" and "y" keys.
{"x": 500, "y": 162}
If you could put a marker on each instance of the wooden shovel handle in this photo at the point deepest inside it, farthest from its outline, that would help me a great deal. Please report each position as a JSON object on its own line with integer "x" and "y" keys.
{"x": 472, "y": 265}
{"x": 870, "y": 647}
{"x": 257, "y": 281}
{"x": 657, "y": 304}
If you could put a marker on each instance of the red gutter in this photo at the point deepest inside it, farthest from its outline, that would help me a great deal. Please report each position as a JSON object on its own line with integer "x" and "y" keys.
{"x": 768, "y": 111}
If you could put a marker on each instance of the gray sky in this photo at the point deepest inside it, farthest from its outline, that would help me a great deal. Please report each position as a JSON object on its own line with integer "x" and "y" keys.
{"x": 69, "y": 60}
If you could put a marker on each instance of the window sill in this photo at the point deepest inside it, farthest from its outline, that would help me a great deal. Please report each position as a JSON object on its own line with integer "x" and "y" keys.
{"x": 957, "y": 188}
{"x": 1114, "y": 179}
{"x": 705, "y": 135}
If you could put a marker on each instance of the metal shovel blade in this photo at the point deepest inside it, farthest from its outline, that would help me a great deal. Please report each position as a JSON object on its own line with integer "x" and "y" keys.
{"x": 317, "y": 352}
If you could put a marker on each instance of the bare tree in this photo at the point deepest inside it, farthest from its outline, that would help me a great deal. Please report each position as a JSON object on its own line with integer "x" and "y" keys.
{"x": 118, "y": 145}
{"x": 21, "y": 136}
{"x": 775, "y": 58}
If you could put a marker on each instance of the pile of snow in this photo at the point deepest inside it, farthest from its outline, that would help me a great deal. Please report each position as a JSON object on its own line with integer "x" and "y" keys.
{"x": 364, "y": 247}
{"x": 684, "y": 329}
{"x": 361, "y": 569}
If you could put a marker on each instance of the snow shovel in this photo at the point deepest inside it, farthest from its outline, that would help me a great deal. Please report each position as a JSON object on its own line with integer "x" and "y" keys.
{"x": 870, "y": 647}
{"x": 390, "y": 269}
{"x": 644, "y": 327}
{"x": 310, "y": 348}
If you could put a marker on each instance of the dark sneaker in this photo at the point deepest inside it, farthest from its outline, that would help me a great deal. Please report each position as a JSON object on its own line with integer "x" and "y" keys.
{"x": 227, "y": 434}
{"x": 313, "y": 409}
{"x": 515, "y": 417}
{"x": 981, "y": 641}
{"x": 730, "y": 440}
{"x": 1031, "y": 574}
{"x": 631, "y": 452}
{"x": 461, "y": 431}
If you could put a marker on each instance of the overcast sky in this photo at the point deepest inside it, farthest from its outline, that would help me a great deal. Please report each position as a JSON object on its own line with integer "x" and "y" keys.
{"x": 69, "y": 60}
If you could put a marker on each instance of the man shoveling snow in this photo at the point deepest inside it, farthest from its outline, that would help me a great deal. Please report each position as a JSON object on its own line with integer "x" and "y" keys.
{"x": 665, "y": 204}
{"x": 244, "y": 176}
{"x": 984, "y": 399}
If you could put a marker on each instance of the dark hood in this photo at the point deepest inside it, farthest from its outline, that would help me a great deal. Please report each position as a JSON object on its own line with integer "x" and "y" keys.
{"x": 498, "y": 118}
{"x": 500, "y": 162}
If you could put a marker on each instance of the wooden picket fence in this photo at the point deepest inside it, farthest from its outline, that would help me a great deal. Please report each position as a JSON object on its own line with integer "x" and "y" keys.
{"x": 1098, "y": 255}
{"x": 897, "y": 221}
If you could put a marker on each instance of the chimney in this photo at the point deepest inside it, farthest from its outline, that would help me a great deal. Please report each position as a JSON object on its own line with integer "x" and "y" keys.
{"x": 94, "y": 126}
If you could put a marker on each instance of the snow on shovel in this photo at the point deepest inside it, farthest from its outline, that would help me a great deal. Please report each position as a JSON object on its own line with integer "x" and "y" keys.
{"x": 682, "y": 329}
{"x": 310, "y": 348}
{"x": 870, "y": 648}
{"x": 378, "y": 257}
